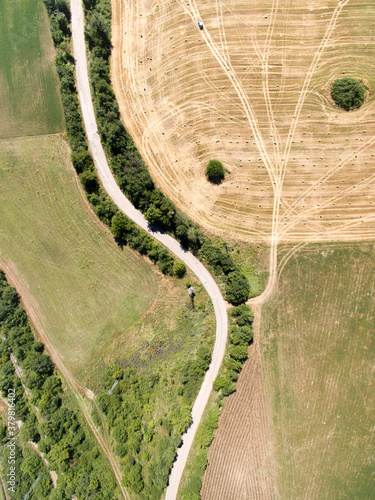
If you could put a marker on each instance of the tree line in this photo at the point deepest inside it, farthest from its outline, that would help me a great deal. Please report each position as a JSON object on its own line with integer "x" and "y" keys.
{"x": 48, "y": 417}
{"x": 129, "y": 169}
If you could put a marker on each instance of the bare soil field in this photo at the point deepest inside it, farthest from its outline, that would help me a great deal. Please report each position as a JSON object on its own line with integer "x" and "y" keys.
{"x": 317, "y": 348}
{"x": 252, "y": 90}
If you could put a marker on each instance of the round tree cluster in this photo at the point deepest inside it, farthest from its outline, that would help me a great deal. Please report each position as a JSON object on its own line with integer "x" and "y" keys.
{"x": 215, "y": 171}
{"x": 348, "y": 93}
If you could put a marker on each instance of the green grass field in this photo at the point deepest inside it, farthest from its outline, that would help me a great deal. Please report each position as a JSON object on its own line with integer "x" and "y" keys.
{"x": 88, "y": 292}
{"x": 29, "y": 98}
{"x": 318, "y": 360}
{"x": 95, "y": 301}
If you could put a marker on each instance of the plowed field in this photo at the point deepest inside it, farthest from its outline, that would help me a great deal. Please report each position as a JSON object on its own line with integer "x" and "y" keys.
{"x": 241, "y": 456}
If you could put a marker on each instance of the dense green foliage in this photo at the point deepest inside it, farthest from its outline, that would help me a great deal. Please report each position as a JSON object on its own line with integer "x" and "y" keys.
{"x": 240, "y": 336}
{"x": 238, "y": 289}
{"x": 55, "y": 426}
{"x": 348, "y": 93}
{"x": 215, "y": 171}
{"x": 149, "y": 407}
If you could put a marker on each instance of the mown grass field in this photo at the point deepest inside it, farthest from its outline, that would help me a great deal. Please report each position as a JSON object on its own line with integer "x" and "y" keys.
{"x": 29, "y": 97}
{"x": 317, "y": 338}
{"x": 86, "y": 291}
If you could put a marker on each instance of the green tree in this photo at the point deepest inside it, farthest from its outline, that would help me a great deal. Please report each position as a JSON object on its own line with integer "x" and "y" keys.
{"x": 32, "y": 464}
{"x": 179, "y": 269}
{"x": 215, "y": 171}
{"x": 134, "y": 478}
{"x": 243, "y": 315}
{"x": 237, "y": 288}
{"x": 60, "y": 455}
{"x": 348, "y": 93}
{"x": 82, "y": 160}
{"x": 3, "y": 433}
{"x": 153, "y": 215}
{"x": 182, "y": 233}
{"x": 29, "y": 429}
{"x": 239, "y": 352}
{"x": 219, "y": 382}
{"x": 94, "y": 484}
{"x": 38, "y": 367}
{"x": 122, "y": 227}
{"x": 89, "y": 181}
{"x": 180, "y": 418}
{"x": 97, "y": 36}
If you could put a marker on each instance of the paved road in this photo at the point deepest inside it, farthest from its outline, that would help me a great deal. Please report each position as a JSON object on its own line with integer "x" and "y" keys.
{"x": 124, "y": 204}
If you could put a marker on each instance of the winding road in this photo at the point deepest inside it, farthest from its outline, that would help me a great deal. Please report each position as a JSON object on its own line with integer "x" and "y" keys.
{"x": 128, "y": 209}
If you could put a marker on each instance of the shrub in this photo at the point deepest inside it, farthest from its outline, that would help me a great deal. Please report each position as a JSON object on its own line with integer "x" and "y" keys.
{"x": 89, "y": 181}
{"x": 179, "y": 269}
{"x": 239, "y": 352}
{"x": 215, "y": 171}
{"x": 82, "y": 160}
{"x": 243, "y": 314}
{"x": 219, "y": 382}
{"x": 153, "y": 215}
{"x": 237, "y": 289}
{"x": 348, "y": 93}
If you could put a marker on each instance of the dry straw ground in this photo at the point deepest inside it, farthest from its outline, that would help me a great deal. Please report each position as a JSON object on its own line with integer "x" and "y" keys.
{"x": 252, "y": 90}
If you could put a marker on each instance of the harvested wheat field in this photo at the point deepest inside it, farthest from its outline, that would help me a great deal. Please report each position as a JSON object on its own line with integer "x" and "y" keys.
{"x": 253, "y": 90}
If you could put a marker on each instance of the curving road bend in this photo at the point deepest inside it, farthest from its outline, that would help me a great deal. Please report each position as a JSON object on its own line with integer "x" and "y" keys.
{"x": 125, "y": 206}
